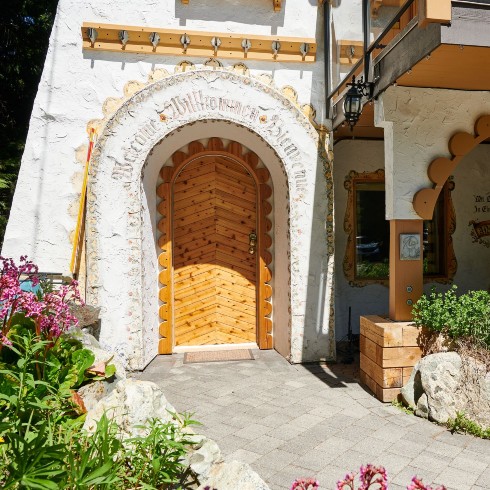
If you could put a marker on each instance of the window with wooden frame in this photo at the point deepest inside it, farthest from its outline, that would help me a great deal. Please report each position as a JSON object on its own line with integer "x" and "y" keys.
{"x": 366, "y": 258}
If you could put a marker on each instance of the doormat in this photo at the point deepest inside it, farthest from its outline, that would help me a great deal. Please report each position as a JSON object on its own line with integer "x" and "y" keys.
{"x": 219, "y": 356}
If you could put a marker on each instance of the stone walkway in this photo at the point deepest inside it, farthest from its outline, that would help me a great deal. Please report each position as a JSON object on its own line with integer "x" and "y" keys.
{"x": 290, "y": 421}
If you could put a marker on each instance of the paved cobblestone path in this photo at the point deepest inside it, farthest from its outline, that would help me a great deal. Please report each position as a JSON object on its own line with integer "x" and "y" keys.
{"x": 290, "y": 421}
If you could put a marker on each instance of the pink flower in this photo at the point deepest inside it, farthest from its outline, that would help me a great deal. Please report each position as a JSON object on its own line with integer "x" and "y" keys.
{"x": 305, "y": 484}
{"x": 51, "y": 312}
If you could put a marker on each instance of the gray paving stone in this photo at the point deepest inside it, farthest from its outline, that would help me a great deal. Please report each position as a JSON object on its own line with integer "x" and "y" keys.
{"x": 456, "y": 478}
{"x": 404, "y": 477}
{"x": 288, "y": 421}
{"x": 474, "y": 465}
{"x": 278, "y": 459}
{"x": 264, "y": 444}
{"x": 244, "y": 456}
{"x": 252, "y": 431}
{"x": 306, "y": 420}
{"x": 484, "y": 478}
{"x": 430, "y": 460}
{"x": 301, "y": 444}
{"x": 390, "y": 432}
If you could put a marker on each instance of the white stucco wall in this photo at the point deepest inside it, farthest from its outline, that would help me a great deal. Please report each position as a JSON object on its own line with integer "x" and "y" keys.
{"x": 75, "y": 84}
{"x": 418, "y": 124}
{"x": 360, "y": 156}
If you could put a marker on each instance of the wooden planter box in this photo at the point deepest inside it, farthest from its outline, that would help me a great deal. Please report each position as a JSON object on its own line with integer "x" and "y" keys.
{"x": 389, "y": 351}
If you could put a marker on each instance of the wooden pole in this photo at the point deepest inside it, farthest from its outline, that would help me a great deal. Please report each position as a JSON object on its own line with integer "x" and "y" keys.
{"x": 81, "y": 209}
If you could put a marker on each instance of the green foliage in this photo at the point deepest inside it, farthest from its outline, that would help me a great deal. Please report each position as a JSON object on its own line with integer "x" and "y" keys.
{"x": 463, "y": 424}
{"x": 466, "y": 316}
{"x": 42, "y": 445}
{"x": 373, "y": 270}
{"x": 402, "y": 407}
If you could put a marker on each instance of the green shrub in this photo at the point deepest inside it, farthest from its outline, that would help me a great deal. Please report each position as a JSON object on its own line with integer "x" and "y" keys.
{"x": 464, "y": 316}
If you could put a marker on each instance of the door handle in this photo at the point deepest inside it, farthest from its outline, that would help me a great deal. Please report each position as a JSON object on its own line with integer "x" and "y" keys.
{"x": 252, "y": 243}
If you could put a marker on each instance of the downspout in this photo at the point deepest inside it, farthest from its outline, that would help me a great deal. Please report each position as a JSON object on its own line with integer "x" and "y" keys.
{"x": 326, "y": 55}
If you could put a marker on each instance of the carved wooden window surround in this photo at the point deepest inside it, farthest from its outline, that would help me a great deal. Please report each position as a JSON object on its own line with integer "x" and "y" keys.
{"x": 438, "y": 243}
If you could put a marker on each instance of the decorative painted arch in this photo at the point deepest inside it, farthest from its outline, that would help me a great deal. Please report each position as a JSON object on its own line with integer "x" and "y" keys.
{"x": 122, "y": 267}
{"x": 441, "y": 168}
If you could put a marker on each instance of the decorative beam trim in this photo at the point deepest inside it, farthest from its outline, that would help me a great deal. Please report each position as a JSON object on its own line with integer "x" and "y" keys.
{"x": 134, "y": 39}
{"x": 441, "y": 168}
{"x": 276, "y": 3}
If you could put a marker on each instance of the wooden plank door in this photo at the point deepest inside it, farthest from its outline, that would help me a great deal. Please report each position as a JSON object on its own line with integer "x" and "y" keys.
{"x": 214, "y": 274}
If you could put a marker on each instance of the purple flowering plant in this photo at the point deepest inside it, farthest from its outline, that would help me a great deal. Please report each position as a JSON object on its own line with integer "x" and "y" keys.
{"x": 50, "y": 312}
{"x": 374, "y": 477}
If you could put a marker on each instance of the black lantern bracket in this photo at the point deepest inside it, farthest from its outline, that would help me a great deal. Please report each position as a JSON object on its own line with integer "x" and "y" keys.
{"x": 353, "y": 99}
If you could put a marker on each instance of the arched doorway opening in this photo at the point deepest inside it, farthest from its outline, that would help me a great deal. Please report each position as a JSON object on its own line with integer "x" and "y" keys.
{"x": 215, "y": 239}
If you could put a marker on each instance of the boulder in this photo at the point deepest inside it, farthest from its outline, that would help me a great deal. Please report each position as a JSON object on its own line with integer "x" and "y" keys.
{"x": 94, "y": 391}
{"x": 233, "y": 475}
{"x": 440, "y": 376}
{"x": 443, "y": 384}
{"x": 413, "y": 390}
{"x": 203, "y": 457}
{"x": 422, "y": 407}
{"x": 130, "y": 404}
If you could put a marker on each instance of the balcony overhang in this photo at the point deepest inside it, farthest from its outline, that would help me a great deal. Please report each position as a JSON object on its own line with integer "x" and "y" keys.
{"x": 455, "y": 56}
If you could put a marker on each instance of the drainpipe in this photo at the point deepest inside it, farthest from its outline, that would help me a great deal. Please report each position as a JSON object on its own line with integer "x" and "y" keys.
{"x": 326, "y": 55}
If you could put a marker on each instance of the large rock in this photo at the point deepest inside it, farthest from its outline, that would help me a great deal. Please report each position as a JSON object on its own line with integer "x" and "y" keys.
{"x": 233, "y": 475}
{"x": 203, "y": 457}
{"x": 443, "y": 384}
{"x": 132, "y": 403}
{"x": 440, "y": 375}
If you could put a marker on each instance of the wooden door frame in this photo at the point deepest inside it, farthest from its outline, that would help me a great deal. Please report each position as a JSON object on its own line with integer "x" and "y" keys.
{"x": 261, "y": 176}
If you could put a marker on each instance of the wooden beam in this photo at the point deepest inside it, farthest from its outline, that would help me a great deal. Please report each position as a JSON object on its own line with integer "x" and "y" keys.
{"x": 403, "y": 52}
{"x": 200, "y": 43}
{"x": 277, "y": 4}
{"x": 438, "y": 11}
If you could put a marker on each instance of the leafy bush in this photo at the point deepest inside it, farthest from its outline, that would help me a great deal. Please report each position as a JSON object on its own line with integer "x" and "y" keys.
{"x": 42, "y": 445}
{"x": 464, "y": 316}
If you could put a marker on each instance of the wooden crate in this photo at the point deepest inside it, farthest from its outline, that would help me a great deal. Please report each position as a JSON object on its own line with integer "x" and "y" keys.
{"x": 389, "y": 351}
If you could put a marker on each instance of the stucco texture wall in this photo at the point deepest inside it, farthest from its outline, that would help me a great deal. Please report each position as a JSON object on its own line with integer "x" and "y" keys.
{"x": 74, "y": 86}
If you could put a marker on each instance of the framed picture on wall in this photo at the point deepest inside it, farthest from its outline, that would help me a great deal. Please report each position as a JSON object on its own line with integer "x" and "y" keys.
{"x": 410, "y": 248}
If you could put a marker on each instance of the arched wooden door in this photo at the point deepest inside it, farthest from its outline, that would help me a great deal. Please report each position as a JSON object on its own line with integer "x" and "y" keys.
{"x": 214, "y": 274}
{"x": 215, "y": 249}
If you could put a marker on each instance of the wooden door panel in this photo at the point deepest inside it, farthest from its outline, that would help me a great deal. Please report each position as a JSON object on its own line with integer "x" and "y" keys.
{"x": 214, "y": 275}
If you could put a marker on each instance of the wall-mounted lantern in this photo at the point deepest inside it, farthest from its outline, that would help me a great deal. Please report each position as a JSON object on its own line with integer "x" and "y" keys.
{"x": 353, "y": 100}
{"x": 246, "y": 45}
{"x": 216, "y": 43}
{"x": 303, "y": 49}
{"x": 276, "y": 46}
